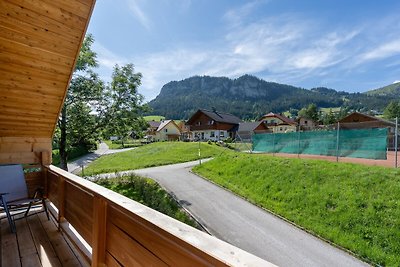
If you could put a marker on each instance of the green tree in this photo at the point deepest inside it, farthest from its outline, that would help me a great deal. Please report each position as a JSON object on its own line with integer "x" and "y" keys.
{"x": 124, "y": 103}
{"x": 329, "y": 118}
{"x": 77, "y": 123}
{"x": 311, "y": 112}
{"x": 392, "y": 110}
{"x": 343, "y": 112}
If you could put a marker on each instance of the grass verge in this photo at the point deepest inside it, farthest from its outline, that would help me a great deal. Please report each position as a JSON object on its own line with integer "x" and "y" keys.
{"x": 127, "y": 144}
{"x": 149, "y": 193}
{"x": 75, "y": 153}
{"x": 153, "y": 118}
{"x": 354, "y": 206}
{"x": 155, "y": 154}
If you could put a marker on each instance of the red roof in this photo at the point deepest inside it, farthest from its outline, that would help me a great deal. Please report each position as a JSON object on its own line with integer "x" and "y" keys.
{"x": 279, "y": 116}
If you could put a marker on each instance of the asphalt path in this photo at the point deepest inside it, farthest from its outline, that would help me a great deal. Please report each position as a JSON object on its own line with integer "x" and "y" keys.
{"x": 243, "y": 224}
{"x": 103, "y": 149}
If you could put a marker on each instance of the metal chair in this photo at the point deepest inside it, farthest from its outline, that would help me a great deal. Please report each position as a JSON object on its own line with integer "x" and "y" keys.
{"x": 14, "y": 193}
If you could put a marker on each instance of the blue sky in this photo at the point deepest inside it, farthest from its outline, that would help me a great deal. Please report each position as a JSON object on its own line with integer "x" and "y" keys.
{"x": 348, "y": 45}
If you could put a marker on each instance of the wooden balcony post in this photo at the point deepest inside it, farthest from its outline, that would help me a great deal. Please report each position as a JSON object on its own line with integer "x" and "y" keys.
{"x": 61, "y": 200}
{"x": 99, "y": 231}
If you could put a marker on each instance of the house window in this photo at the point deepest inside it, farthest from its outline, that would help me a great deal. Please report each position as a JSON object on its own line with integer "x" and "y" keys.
{"x": 211, "y": 122}
{"x": 198, "y": 123}
{"x": 212, "y": 134}
{"x": 222, "y": 134}
{"x": 280, "y": 129}
{"x": 166, "y": 130}
{"x": 305, "y": 122}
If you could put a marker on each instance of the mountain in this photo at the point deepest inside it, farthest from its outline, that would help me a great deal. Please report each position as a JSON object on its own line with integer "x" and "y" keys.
{"x": 392, "y": 90}
{"x": 249, "y": 97}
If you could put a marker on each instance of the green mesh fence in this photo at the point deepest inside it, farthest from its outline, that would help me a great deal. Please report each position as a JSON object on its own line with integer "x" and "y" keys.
{"x": 364, "y": 143}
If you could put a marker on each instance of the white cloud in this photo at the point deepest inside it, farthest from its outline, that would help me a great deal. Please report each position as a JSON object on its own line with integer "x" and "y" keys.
{"x": 397, "y": 81}
{"x": 383, "y": 51}
{"x": 135, "y": 7}
{"x": 235, "y": 16}
{"x": 287, "y": 49}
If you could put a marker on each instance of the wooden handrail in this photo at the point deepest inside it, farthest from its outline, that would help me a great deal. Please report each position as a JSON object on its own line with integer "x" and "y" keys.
{"x": 124, "y": 232}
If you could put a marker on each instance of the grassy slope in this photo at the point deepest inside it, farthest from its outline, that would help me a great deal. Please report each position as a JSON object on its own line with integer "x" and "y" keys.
{"x": 74, "y": 154}
{"x": 153, "y": 118}
{"x": 391, "y": 89}
{"x": 118, "y": 144}
{"x": 149, "y": 193}
{"x": 155, "y": 154}
{"x": 352, "y": 205}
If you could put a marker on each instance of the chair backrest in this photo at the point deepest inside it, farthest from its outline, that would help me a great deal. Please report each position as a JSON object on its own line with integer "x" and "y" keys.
{"x": 12, "y": 181}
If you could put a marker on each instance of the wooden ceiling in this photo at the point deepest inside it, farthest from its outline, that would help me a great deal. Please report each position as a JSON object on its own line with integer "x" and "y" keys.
{"x": 39, "y": 43}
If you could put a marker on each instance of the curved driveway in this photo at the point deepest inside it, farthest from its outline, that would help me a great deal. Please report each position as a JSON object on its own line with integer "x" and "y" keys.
{"x": 244, "y": 225}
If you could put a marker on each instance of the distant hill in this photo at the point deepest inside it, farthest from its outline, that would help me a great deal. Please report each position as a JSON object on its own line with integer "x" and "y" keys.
{"x": 250, "y": 97}
{"x": 392, "y": 90}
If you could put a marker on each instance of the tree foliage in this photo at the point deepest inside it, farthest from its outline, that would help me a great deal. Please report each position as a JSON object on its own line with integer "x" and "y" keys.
{"x": 92, "y": 109}
{"x": 392, "y": 110}
{"x": 310, "y": 112}
{"x": 125, "y": 106}
{"x": 77, "y": 123}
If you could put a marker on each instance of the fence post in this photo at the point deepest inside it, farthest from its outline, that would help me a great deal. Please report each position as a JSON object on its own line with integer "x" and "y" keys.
{"x": 337, "y": 142}
{"x": 199, "y": 153}
{"x": 396, "y": 132}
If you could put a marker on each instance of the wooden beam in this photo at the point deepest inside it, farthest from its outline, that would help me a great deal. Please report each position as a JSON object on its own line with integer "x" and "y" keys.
{"x": 99, "y": 231}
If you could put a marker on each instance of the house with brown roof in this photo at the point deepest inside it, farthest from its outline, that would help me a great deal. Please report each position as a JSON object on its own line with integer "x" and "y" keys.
{"x": 151, "y": 130}
{"x": 186, "y": 134}
{"x": 168, "y": 130}
{"x": 279, "y": 123}
{"x": 357, "y": 120}
{"x": 245, "y": 130}
{"x": 212, "y": 125}
{"x": 306, "y": 124}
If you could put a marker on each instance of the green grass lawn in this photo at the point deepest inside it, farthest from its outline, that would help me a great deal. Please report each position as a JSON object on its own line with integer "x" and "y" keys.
{"x": 127, "y": 143}
{"x": 153, "y": 118}
{"x": 327, "y": 110}
{"x": 155, "y": 154}
{"x": 149, "y": 193}
{"x": 74, "y": 154}
{"x": 354, "y": 206}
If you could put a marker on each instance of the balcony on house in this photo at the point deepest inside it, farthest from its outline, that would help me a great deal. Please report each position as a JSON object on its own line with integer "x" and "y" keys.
{"x": 89, "y": 224}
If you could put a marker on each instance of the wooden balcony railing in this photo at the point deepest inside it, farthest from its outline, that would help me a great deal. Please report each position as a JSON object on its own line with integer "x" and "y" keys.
{"x": 122, "y": 232}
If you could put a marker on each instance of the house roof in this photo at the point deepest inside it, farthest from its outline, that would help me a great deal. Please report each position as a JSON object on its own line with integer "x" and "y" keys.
{"x": 369, "y": 117}
{"x": 39, "y": 47}
{"x": 279, "y": 116}
{"x": 154, "y": 124}
{"x": 248, "y": 126}
{"x": 165, "y": 123}
{"x": 217, "y": 116}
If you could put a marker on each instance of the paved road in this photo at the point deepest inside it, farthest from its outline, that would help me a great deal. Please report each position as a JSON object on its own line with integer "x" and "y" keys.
{"x": 244, "y": 225}
{"x": 103, "y": 149}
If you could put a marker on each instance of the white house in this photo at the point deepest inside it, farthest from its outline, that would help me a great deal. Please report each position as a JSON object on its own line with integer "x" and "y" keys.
{"x": 168, "y": 130}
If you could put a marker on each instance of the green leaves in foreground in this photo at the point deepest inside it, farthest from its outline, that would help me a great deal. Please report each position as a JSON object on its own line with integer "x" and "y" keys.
{"x": 149, "y": 193}
{"x": 354, "y": 206}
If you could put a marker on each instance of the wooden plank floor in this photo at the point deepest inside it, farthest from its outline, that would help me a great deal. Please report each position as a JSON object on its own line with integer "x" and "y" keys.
{"x": 37, "y": 243}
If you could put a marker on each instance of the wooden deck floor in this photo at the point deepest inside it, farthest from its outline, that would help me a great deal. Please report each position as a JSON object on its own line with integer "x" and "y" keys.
{"x": 36, "y": 243}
